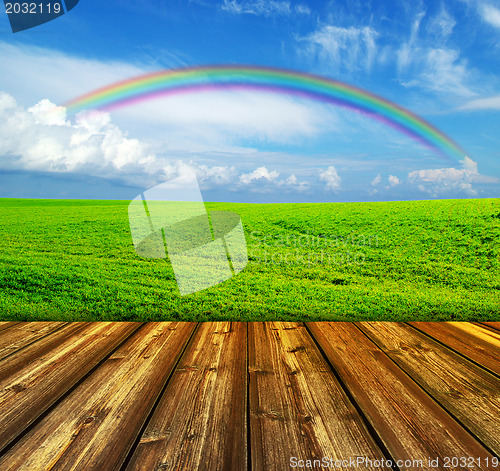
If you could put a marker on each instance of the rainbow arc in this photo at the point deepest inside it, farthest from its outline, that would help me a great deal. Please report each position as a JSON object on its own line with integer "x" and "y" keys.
{"x": 281, "y": 81}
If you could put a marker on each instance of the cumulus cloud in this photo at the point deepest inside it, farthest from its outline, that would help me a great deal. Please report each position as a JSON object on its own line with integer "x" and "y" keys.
{"x": 447, "y": 180}
{"x": 293, "y": 184}
{"x": 216, "y": 176}
{"x": 331, "y": 178}
{"x": 261, "y": 174}
{"x": 261, "y": 180}
{"x": 42, "y": 138}
{"x": 376, "y": 181}
{"x": 341, "y": 48}
{"x": 393, "y": 180}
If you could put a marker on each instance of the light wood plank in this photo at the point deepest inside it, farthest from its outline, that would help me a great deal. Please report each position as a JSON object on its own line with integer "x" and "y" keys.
{"x": 32, "y": 379}
{"x": 408, "y": 421}
{"x": 478, "y": 343}
{"x": 6, "y": 325}
{"x": 468, "y": 392}
{"x": 297, "y": 407}
{"x": 23, "y": 334}
{"x": 95, "y": 426}
{"x": 200, "y": 422}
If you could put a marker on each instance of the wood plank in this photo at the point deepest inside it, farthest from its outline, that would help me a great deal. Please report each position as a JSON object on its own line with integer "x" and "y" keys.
{"x": 200, "y": 422}
{"x": 297, "y": 406}
{"x": 32, "y": 379}
{"x": 95, "y": 426}
{"x": 23, "y": 334}
{"x": 6, "y": 325}
{"x": 493, "y": 325}
{"x": 480, "y": 344}
{"x": 408, "y": 421}
{"x": 21, "y": 359}
{"x": 468, "y": 392}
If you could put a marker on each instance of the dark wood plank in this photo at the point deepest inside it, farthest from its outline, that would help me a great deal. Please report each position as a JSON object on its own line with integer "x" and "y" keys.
{"x": 95, "y": 426}
{"x": 467, "y": 391}
{"x": 6, "y": 325}
{"x": 478, "y": 343}
{"x": 23, "y": 334}
{"x": 32, "y": 379}
{"x": 200, "y": 422}
{"x": 408, "y": 421}
{"x": 297, "y": 407}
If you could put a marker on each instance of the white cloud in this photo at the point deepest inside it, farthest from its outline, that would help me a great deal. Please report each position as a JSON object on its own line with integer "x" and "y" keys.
{"x": 376, "y": 181}
{"x": 442, "y": 24}
{"x": 223, "y": 116}
{"x": 331, "y": 178}
{"x": 216, "y": 176}
{"x": 446, "y": 180}
{"x": 42, "y": 138}
{"x": 340, "y": 48}
{"x": 404, "y": 54}
{"x": 264, "y": 7}
{"x": 302, "y": 9}
{"x": 393, "y": 180}
{"x": 59, "y": 77}
{"x": 437, "y": 69}
{"x": 293, "y": 183}
{"x": 490, "y": 103}
{"x": 192, "y": 120}
{"x": 261, "y": 174}
{"x": 490, "y": 14}
{"x": 257, "y": 7}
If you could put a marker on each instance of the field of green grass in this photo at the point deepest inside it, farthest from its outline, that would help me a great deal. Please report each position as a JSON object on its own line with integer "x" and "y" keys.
{"x": 425, "y": 260}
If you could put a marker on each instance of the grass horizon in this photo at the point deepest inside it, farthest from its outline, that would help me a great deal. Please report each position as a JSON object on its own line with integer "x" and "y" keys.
{"x": 73, "y": 259}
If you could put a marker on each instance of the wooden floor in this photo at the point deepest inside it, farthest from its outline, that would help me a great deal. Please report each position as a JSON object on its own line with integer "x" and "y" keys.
{"x": 259, "y": 396}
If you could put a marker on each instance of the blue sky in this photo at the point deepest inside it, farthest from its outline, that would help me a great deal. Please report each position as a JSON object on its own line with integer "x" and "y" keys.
{"x": 441, "y": 60}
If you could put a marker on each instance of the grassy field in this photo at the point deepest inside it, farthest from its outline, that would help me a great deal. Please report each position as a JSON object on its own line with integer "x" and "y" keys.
{"x": 425, "y": 260}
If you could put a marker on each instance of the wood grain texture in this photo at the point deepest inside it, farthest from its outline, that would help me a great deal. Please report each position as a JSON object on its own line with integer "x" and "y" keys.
{"x": 5, "y": 325}
{"x": 478, "y": 343}
{"x": 408, "y": 421}
{"x": 200, "y": 422}
{"x": 32, "y": 379}
{"x": 493, "y": 325}
{"x": 297, "y": 407}
{"x": 467, "y": 391}
{"x": 24, "y": 333}
{"x": 95, "y": 426}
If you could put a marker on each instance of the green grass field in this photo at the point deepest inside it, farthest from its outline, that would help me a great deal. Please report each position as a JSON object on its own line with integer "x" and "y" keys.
{"x": 425, "y": 260}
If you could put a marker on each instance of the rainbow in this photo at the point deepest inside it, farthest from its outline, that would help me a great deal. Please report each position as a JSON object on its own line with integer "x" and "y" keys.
{"x": 230, "y": 77}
